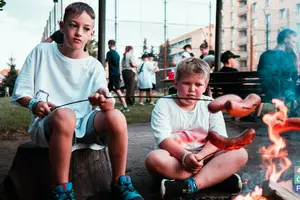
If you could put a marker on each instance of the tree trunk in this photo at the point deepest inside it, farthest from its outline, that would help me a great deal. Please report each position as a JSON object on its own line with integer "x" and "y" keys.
{"x": 29, "y": 175}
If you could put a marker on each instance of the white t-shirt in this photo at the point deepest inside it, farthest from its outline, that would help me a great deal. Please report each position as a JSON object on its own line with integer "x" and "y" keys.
{"x": 49, "y": 75}
{"x": 145, "y": 75}
{"x": 153, "y": 73}
{"x": 186, "y": 54}
{"x": 187, "y": 128}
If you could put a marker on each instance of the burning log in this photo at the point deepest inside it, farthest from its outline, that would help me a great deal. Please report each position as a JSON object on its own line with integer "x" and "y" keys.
{"x": 274, "y": 191}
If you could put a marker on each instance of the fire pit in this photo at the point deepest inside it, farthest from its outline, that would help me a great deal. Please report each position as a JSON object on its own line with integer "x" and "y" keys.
{"x": 274, "y": 158}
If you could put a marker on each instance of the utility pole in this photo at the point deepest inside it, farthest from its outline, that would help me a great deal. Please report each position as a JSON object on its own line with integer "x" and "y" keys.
{"x": 101, "y": 31}
{"x": 251, "y": 40}
{"x": 54, "y": 12}
{"x": 288, "y": 18}
{"x": 267, "y": 16}
{"x": 218, "y": 44}
{"x": 61, "y": 9}
{"x": 165, "y": 38}
{"x": 116, "y": 20}
{"x": 209, "y": 40}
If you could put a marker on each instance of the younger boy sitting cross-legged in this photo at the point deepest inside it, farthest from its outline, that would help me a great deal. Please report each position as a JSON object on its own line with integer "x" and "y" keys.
{"x": 180, "y": 127}
{"x": 54, "y": 75}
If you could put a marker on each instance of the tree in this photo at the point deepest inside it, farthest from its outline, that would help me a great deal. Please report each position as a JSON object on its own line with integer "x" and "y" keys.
{"x": 152, "y": 50}
{"x": 161, "y": 55}
{"x": 92, "y": 48}
{"x": 145, "y": 48}
{"x": 11, "y": 77}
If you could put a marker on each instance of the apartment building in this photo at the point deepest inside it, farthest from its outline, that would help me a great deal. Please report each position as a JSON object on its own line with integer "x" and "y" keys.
{"x": 251, "y": 26}
{"x": 195, "y": 39}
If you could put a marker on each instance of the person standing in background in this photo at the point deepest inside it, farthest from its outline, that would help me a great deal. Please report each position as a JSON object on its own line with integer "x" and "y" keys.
{"x": 187, "y": 51}
{"x": 114, "y": 77}
{"x": 129, "y": 66}
{"x": 204, "y": 49}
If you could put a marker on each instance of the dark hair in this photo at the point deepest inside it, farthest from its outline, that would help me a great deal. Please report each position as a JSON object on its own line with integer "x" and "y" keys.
{"x": 78, "y": 8}
{"x": 187, "y": 46}
{"x": 127, "y": 49}
{"x": 111, "y": 43}
{"x": 284, "y": 34}
{"x": 204, "y": 45}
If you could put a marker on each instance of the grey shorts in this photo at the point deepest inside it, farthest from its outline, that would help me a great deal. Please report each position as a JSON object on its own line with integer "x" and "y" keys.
{"x": 90, "y": 137}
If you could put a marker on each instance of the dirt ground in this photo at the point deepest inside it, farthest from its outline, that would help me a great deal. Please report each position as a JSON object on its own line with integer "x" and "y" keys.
{"x": 141, "y": 143}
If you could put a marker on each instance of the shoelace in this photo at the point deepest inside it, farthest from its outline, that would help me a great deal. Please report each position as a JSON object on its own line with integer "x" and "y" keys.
{"x": 126, "y": 188}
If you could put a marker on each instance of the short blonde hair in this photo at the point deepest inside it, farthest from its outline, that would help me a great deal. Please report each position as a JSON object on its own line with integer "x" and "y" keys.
{"x": 192, "y": 65}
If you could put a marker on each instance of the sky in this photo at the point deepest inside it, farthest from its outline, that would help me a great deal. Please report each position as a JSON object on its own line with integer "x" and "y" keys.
{"x": 22, "y": 23}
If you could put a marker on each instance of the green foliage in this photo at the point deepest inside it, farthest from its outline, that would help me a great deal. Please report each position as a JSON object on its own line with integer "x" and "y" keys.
{"x": 92, "y": 48}
{"x": 145, "y": 47}
{"x": 11, "y": 77}
{"x": 161, "y": 55}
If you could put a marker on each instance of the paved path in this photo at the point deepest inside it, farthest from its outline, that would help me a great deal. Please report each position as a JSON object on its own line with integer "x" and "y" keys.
{"x": 141, "y": 143}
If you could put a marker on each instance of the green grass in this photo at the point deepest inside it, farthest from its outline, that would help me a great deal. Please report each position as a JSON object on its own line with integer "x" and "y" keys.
{"x": 15, "y": 118}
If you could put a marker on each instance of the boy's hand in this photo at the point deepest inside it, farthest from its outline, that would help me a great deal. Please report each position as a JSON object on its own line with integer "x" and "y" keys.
{"x": 43, "y": 109}
{"x": 191, "y": 163}
{"x": 100, "y": 99}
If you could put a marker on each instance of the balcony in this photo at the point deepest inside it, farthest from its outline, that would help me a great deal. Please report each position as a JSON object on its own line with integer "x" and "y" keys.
{"x": 242, "y": 25}
{"x": 242, "y": 10}
{"x": 242, "y": 40}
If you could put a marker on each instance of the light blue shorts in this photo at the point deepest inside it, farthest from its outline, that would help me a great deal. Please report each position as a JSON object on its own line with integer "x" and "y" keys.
{"x": 90, "y": 137}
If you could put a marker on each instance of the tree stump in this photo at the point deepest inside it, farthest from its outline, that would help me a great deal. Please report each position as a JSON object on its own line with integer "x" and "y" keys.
{"x": 29, "y": 175}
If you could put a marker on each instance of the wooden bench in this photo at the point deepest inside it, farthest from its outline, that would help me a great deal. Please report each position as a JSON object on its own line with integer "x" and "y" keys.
{"x": 29, "y": 176}
{"x": 238, "y": 83}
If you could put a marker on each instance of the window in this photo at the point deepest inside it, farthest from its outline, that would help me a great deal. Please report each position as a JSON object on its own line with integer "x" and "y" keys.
{"x": 232, "y": 2}
{"x": 254, "y": 23}
{"x": 282, "y": 13}
{"x": 243, "y": 63}
{"x": 232, "y": 31}
{"x": 254, "y": 6}
{"x": 268, "y": 3}
{"x": 243, "y": 18}
{"x": 232, "y": 16}
{"x": 298, "y": 27}
{"x": 268, "y": 18}
{"x": 243, "y": 48}
{"x": 232, "y": 45}
{"x": 243, "y": 33}
{"x": 298, "y": 8}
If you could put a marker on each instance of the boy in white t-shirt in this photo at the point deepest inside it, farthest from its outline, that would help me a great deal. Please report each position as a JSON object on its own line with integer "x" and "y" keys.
{"x": 54, "y": 75}
{"x": 180, "y": 128}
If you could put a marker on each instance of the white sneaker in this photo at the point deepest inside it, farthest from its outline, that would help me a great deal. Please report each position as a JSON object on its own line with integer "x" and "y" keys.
{"x": 142, "y": 104}
{"x": 152, "y": 103}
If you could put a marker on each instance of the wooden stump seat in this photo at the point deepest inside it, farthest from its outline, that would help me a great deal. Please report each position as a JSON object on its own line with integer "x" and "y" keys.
{"x": 29, "y": 175}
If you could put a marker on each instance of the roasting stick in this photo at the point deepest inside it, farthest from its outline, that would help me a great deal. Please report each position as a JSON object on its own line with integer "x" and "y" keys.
{"x": 156, "y": 97}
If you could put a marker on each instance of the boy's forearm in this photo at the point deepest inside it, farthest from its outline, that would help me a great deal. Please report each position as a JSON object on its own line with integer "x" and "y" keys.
{"x": 173, "y": 148}
{"x": 24, "y": 101}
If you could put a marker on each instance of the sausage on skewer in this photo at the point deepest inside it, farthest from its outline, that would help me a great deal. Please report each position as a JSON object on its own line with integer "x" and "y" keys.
{"x": 228, "y": 144}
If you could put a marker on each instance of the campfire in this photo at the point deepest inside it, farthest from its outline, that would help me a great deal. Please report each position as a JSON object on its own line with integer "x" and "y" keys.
{"x": 274, "y": 157}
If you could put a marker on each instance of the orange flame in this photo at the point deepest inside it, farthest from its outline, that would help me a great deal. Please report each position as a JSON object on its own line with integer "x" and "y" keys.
{"x": 274, "y": 157}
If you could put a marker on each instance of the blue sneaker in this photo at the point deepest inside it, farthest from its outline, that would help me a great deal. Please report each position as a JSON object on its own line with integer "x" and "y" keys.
{"x": 124, "y": 190}
{"x": 63, "y": 192}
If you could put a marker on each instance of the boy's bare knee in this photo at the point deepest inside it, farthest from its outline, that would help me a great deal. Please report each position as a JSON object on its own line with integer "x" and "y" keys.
{"x": 63, "y": 120}
{"x": 116, "y": 118}
{"x": 242, "y": 156}
{"x": 155, "y": 159}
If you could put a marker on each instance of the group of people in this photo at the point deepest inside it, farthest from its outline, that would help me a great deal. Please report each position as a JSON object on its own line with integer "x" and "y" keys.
{"x": 141, "y": 76}
{"x": 56, "y": 74}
